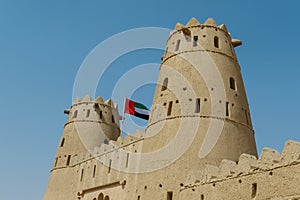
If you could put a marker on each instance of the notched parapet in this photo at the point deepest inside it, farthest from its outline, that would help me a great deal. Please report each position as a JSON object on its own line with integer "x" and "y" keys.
{"x": 247, "y": 163}
{"x": 193, "y": 22}
{"x": 227, "y": 168}
{"x": 291, "y": 152}
{"x": 268, "y": 158}
{"x": 210, "y": 172}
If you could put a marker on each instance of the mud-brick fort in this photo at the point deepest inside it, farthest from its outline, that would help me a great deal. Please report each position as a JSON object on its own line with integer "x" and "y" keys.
{"x": 199, "y": 142}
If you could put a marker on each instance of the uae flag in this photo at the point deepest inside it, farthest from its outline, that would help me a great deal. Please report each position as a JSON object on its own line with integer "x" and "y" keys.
{"x": 136, "y": 109}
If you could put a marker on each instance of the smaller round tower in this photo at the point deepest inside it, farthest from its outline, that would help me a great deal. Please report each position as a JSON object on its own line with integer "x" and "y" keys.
{"x": 89, "y": 124}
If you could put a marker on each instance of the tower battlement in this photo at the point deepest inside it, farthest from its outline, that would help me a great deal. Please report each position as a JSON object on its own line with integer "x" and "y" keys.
{"x": 96, "y": 111}
{"x": 201, "y": 37}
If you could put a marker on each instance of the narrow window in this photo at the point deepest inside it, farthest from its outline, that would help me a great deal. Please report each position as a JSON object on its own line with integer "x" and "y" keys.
{"x": 216, "y": 42}
{"x": 109, "y": 167}
{"x": 246, "y": 115}
{"x": 169, "y": 195}
{"x": 75, "y": 114}
{"x": 94, "y": 171}
{"x": 106, "y": 197}
{"x": 170, "y": 108}
{"x": 254, "y": 190}
{"x": 100, "y": 114}
{"x": 62, "y": 142}
{"x": 232, "y": 83}
{"x": 127, "y": 159}
{"x": 195, "y": 42}
{"x": 88, "y": 113}
{"x": 112, "y": 119}
{"x": 227, "y": 109}
{"x": 139, "y": 197}
{"x": 81, "y": 176}
{"x": 68, "y": 160}
{"x": 197, "y": 105}
{"x": 101, "y": 196}
{"x": 177, "y": 45}
{"x": 165, "y": 84}
{"x": 56, "y": 160}
{"x": 202, "y": 197}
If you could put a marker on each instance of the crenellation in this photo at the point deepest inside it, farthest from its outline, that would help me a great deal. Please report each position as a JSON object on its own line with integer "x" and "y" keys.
{"x": 247, "y": 163}
{"x": 193, "y": 22}
{"x": 99, "y": 100}
{"x": 291, "y": 152}
{"x": 182, "y": 40}
{"x": 178, "y": 26}
{"x": 77, "y": 100}
{"x": 87, "y": 98}
{"x": 268, "y": 158}
{"x": 210, "y": 21}
{"x": 227, "y": 168}
{"x": 210, "y": 172}
{"x": 223, "y": 27}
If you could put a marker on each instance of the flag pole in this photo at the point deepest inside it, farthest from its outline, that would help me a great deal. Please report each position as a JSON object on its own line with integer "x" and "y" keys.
{"x": 123, "y": 116}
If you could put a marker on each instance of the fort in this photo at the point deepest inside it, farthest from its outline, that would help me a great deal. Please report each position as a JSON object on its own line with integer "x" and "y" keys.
{"x": 199, "y": 142}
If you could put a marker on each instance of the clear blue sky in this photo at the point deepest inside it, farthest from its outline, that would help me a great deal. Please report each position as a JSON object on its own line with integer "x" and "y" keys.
{"x": 43, "y": 43}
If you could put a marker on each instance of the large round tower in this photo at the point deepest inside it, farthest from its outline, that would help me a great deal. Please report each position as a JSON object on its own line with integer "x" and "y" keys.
{"x": 200, "y": 83}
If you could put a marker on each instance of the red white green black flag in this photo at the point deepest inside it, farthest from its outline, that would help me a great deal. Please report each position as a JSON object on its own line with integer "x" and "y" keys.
{"x": 136, "y": 109}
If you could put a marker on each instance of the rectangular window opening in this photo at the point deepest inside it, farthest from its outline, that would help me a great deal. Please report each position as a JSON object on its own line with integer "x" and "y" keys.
{"x": 127, "y": 160}
{"x": 170, "y": 108}
{"x": 109, "y": 167}
{"x": 100, "y": 114}
{"x": 216, "y": 42}
{"x": 169, "y": 195}
{"x": 88, "y": 113}
{"x": 177, "y": 45}
{"x": 112, "y": 119}
{"x": 94, "y": 171}
{"x": 247, "y": 118}
{"x": 62, "y": 142}
{"x": 68, "y": 160}
{"x": 227, "y": 109}
{"x": 81, "y": 176}
{"x": 195, "y": 42}
{"x": 56, "y": 160}
{"x": 198, "y": 101}
{"x": 254, "y": 190}
{"x": 202, "y": 196}
{"x": 75, "y": 114}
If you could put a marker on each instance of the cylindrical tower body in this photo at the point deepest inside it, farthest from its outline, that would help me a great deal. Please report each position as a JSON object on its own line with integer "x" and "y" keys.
{"x": 200, "y": 81}
{"x": 89, "y": 124}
